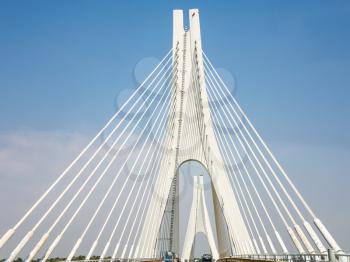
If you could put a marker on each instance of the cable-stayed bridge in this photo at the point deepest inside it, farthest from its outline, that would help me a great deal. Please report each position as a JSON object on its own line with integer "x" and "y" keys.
{"x": 119, "y": 198}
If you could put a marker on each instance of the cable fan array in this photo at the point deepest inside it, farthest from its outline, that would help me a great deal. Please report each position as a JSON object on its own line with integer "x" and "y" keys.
{"x": 107, "y": 190}
{"x": 114, "y": 173}
{"x": 268, "y": 199}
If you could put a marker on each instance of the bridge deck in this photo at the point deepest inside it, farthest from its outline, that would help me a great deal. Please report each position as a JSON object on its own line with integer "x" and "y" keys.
{"x": 235, "y": 259}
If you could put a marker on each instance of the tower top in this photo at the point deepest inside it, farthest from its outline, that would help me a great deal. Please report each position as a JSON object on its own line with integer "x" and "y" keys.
{"x": 178, "y": 17}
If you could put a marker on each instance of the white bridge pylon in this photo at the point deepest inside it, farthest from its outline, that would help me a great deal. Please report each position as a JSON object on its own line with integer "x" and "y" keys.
{"x": 198, "y": 222}
{"x": 118, "y": 197}
{"x": 192, "y": 137}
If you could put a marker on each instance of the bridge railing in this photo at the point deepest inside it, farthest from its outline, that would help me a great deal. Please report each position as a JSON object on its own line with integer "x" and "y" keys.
{"x": 342, "y": 257}
{"x": 117, "y": 260}
{"x": 330, "y": 257}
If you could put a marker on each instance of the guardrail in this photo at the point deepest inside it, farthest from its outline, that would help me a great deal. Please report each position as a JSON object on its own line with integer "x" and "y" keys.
{"x": 329, "y": 257}
{"x": 116, "y": 260}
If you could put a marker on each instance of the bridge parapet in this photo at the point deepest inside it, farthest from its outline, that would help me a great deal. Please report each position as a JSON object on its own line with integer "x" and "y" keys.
{"x": 330, "y": 257}
{"x": 117, "y": 260}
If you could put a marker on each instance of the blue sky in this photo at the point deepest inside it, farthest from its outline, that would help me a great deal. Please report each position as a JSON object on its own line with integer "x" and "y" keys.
{"x": 63, "y": 63}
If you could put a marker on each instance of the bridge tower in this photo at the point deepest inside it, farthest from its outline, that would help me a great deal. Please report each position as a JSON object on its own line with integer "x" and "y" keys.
{"x": 191, "y": 135}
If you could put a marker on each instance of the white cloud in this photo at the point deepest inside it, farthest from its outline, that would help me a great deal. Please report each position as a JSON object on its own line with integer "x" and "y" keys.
{"x": 25, "y": 153}
{"x": 29, "y": 162}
